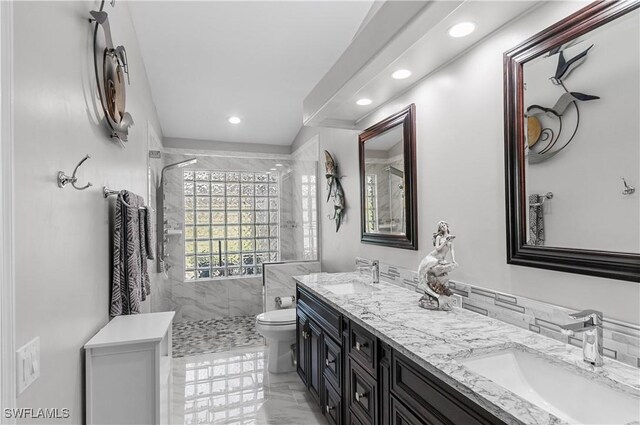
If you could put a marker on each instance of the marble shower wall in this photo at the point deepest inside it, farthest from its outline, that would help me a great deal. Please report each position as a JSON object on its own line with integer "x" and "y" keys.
{"x": 210, "y": 299}
{"x": 304, "y": 180}
{"x": 215, "y": 299}
{"x": 621, "y": 340}
{"x": 279, "y": 282}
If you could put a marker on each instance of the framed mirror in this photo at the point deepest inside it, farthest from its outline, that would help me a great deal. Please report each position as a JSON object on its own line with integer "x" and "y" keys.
{"x": 572, "y": 144}
{"x": 388, "y": 195}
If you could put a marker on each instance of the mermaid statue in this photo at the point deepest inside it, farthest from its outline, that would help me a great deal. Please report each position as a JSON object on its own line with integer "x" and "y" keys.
{"x": 433, "y": 272}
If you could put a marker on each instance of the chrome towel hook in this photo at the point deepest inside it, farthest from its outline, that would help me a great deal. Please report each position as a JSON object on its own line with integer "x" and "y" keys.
{"x": 63, "y": 179}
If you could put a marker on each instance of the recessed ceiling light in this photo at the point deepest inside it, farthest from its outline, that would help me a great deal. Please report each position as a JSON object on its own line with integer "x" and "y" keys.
{"x": 462, "y": 29}
{"x": 234, "y": 120}
{"x": 401, "y": 74}
{"x": 273, "y": 169}
{"x": 278, "y": 165}
{"x": 364, "y": 102}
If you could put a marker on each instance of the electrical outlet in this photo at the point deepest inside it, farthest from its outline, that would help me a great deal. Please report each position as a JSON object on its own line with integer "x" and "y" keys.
{"x": 155, "y": 154}
{"x": 456, "y": 300}
{"x": 28, "y": 364}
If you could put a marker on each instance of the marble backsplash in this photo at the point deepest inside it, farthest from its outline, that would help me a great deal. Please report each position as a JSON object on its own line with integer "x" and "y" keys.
{"x": 621, "y": 340}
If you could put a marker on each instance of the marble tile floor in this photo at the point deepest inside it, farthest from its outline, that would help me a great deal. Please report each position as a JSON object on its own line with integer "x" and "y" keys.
{"x": 234, "y": 388}
{"x": 214, "y": 335}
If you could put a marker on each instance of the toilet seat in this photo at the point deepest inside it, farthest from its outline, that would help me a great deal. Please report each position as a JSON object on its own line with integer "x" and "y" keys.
{"x": 275, "y": 318}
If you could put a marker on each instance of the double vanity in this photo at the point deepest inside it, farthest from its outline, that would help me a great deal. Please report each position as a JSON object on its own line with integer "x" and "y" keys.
{"x": 369, "y": 355}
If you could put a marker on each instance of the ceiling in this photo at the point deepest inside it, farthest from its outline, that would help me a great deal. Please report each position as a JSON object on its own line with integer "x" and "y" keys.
{"x": 208, "y": 61}
{"x": 427, "y": 46}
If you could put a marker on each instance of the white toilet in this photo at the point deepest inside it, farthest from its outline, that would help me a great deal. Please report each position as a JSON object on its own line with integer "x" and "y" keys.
{"x": 279, "y": 328}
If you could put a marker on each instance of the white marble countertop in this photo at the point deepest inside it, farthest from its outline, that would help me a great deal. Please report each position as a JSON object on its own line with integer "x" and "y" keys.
{"x": 437, "y": 339}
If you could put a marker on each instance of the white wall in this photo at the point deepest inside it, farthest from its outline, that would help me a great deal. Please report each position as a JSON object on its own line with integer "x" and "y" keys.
{"x": 62, "y": 239}
{"x": 460, "y": 170}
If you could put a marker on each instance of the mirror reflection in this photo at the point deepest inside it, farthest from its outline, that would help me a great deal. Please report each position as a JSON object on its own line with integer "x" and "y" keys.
{"x": 582, "y": 141}
{"x": 385, "y": 182}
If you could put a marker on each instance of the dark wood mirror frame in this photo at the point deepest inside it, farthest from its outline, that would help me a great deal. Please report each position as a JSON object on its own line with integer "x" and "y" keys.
{"x": 406, "y": 118}
{"x": 614, "y": 265}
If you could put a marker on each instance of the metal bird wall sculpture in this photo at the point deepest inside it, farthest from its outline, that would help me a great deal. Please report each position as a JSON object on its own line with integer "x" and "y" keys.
{"x": 544, "y": 138}
{"x": 334, "y": 189}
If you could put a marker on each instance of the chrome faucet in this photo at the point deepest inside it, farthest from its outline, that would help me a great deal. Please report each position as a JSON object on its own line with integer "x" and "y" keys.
{"x": 591, "y": 326}
{"x": 371, "y": 265}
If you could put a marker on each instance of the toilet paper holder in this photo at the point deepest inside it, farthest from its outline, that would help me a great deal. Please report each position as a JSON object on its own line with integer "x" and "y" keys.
{"x": 285, "y": 302}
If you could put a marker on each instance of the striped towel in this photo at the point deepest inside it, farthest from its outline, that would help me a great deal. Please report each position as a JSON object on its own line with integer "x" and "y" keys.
{"x": 132, "y": 247}
{"x": 536, "y": 220}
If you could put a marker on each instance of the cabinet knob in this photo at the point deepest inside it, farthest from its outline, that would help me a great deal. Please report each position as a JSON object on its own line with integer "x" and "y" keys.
{"x": 360, "y": 346}
{"x": 361, "y": 395}
{"x": 305, "y": 334}
{"x": 330, "y": 408}
{"x": 327, "y": 362}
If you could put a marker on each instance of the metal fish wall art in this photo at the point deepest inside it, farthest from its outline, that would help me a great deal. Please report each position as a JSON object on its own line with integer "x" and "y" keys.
{"x": 334, "y": 189}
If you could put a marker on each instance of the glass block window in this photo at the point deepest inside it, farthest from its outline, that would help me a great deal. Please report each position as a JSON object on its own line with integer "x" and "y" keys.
{"x": 372, "y": 203}
{"x": 231, "y": 223}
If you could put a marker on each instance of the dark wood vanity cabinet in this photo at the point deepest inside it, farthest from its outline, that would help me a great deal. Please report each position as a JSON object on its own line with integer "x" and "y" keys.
{"x": 302, "y": 350}
{"x": 319, "y": 354}
{"x": 357, "y": 379}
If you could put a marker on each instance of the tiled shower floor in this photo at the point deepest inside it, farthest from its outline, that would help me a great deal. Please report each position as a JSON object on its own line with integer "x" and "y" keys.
{"x": 214, "y": 335}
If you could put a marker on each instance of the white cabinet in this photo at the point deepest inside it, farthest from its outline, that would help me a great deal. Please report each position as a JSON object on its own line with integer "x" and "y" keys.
{"x": 128, "y": 371}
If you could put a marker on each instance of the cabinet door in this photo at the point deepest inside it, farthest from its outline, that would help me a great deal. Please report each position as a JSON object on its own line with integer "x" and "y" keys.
{"x": 332, "y": 405}
{"x": 302, "y": 344}
{"x": 314, "y": 375}
{"x": 363, "y": 394}
{"x": 332, "y": 362}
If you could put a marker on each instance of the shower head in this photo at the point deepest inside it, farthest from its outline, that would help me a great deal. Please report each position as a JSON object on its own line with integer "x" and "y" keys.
{"x": 180, "y": 164}
{"x": 394, "y": 171}
{"x": 177, "y": 165}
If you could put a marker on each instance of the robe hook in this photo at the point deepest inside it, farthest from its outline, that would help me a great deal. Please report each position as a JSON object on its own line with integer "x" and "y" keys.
{"x": 64, "y": 180}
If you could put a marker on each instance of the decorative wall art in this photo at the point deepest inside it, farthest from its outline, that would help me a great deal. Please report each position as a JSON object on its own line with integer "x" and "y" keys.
{"x": 334, "y": 189}
{"x": 544, "y": 137}
{"x": 111, "y": 65}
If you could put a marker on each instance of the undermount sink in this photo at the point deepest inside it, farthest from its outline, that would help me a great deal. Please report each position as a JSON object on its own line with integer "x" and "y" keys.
{"x": 562, "y": 392}
{"x": 350, "y": 288}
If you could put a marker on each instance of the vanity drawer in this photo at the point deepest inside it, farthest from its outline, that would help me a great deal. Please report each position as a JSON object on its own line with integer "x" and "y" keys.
{"x": 363, "y": 394}
{"x": 332, "y": 405}
{"x": 332, "y": 362}
{"x": 400, "y": 415}
{"x": 328, "y": 319}
{"x": 362, "y": 348}
{"x": 432, "y": 399}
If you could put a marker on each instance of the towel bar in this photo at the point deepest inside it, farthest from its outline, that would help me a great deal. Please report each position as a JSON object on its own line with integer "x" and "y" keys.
{"x": 543, "y": 198}
{"x": 108, "y": 192}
